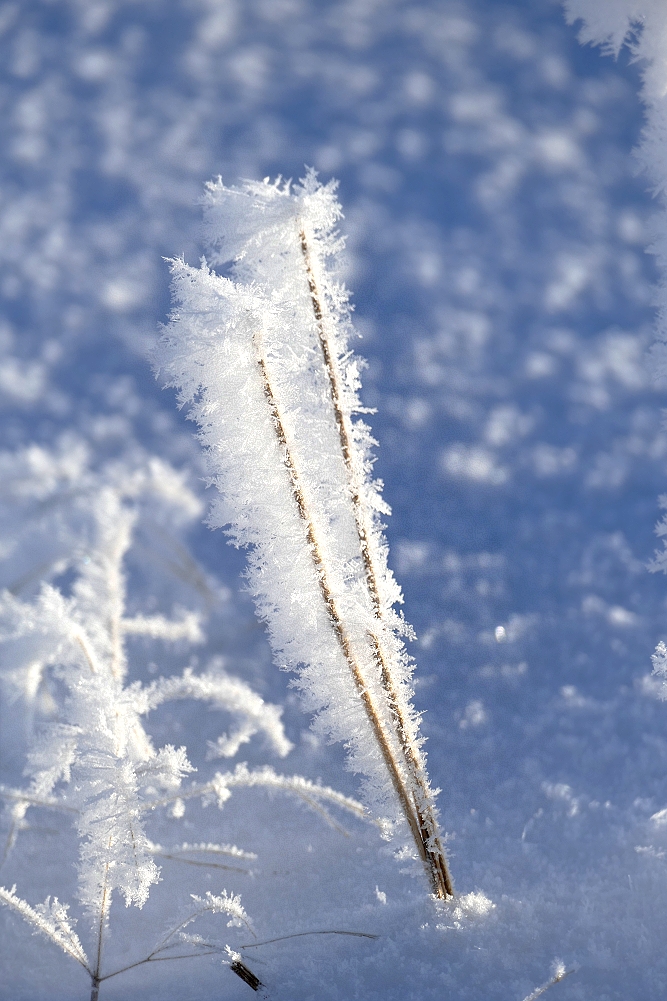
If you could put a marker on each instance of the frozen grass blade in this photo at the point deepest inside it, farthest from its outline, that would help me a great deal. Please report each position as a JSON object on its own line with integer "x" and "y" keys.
{"x": 414, "y": 804}
{"x": 423, "y": 823}
{"x": 49, "y": 919}
{"x": 265, "y": 365}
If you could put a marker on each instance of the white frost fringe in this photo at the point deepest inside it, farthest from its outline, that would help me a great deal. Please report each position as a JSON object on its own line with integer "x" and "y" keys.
{"x": 264, "y": 364}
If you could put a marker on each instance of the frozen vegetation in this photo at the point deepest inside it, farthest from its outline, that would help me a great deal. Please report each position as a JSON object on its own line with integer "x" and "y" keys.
{"x": 180, "y": 818}
{"x": 266, "y": 365}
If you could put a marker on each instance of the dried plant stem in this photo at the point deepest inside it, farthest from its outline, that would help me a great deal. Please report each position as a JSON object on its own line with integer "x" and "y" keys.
{"x": 104, "y": 911}
{"x": 441, "y": 886}
{"x": 306, "y": 791}
{"x": 158, "y": 959}
{"x": 426, "y": 832}
{"x": 303, "y": 934}
{"x": 436, "y": 861}
{"x": 18, "y": 796}
{"x": 82, "y": 640}
{"x": 203, "y": 865}
{"x": 95, "y": 975}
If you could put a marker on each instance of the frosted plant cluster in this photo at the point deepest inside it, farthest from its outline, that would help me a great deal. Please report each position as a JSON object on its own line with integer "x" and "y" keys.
{"x": 64, "y": 661}
{"x": 496, "y": 234}
{"x": 263, "y": 360}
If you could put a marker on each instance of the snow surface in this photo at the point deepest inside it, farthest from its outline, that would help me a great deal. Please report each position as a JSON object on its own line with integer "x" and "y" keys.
{"x": 495, "y": 229}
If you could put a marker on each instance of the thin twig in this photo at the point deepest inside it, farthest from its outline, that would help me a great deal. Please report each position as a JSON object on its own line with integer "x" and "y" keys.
{"x": 204, "y": 865}
{"x": 229, "y": 851}
{"x": 158, "y": 959}
{"x": 301, "y": 934}
{"x": 103, "y": 913}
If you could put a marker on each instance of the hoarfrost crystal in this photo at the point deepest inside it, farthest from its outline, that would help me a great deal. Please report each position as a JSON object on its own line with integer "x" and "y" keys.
{"x": 91, "y": 756}
{"x": 264, "y": 363}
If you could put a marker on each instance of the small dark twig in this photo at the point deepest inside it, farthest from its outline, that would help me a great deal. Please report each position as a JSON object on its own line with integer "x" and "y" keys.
{"x": 204, "y": 865}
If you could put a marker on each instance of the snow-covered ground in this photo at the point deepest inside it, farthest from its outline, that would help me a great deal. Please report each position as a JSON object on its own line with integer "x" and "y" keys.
{"x": 496, "y": 232}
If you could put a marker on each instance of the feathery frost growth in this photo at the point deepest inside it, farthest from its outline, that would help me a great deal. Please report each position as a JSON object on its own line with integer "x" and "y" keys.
{"x": 264, "y": 363}
{"x": 90, "y": 754}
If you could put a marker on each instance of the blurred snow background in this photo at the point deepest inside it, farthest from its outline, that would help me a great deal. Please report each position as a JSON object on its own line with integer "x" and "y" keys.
{"x": 495, "y": 231}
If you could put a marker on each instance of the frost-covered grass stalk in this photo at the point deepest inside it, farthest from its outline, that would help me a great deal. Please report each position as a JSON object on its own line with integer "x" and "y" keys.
{"x": 91, "y": 756}
{"x": 264, "y": 362}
